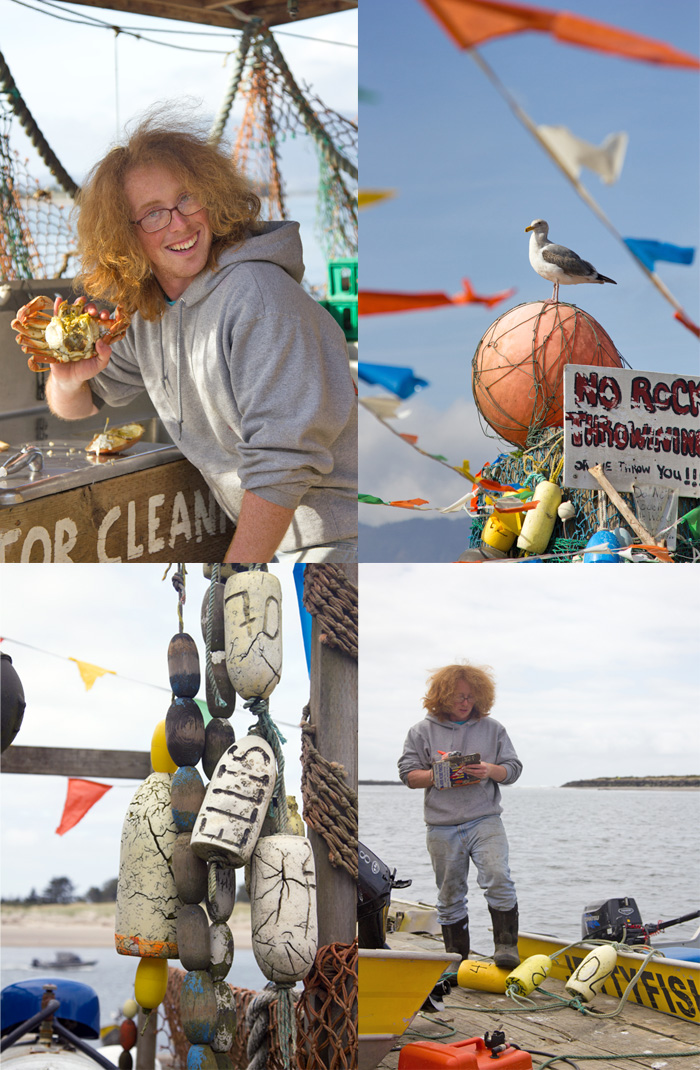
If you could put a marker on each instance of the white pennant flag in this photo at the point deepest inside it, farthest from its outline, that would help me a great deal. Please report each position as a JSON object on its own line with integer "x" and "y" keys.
{"x": 574, "y": 153}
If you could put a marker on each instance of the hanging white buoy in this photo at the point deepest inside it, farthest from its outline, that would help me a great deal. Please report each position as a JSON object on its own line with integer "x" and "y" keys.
{"x": 283, "y": 907}
{"x": 253, "y": 629}
{"x": 236, "y": 802}
{"x": 538, "y": 524}
{"x": 589, "y": 977}
{"x": 147, "y": 899}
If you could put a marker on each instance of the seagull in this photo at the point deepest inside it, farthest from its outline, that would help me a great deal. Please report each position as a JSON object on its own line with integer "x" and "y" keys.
{"x": 557, "y": 263}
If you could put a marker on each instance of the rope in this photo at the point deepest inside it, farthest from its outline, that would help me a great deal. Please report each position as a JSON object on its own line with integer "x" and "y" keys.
{"x": 318, "y": 132}
{"x": 178, "y": 582}
{"x": 257, "y": 1019}
{"x": 16, "y": 102}
{"x": 215, "y": 572}
{"x": 219, "y": 123}
{"x": 269, "y": 731}
{"x": 330, "y": 804}
{"x": 332, "y": 598}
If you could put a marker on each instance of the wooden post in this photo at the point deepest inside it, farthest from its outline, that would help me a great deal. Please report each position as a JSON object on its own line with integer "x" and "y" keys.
{"x": 333, "y": 711}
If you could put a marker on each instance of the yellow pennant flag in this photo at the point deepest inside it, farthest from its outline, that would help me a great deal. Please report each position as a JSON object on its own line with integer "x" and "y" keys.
{"x": 370, "y": 196}
{"x": 89, "y": 673}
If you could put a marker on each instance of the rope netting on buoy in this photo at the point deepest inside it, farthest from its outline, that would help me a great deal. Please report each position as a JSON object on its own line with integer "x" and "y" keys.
{"x": 518, "y": 366}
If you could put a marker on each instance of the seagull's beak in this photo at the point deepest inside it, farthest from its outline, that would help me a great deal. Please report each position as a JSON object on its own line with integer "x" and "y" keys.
{"x": 528, "y": 228}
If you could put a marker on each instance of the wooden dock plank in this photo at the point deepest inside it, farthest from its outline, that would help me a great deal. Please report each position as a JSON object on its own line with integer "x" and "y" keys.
{"x": 635, "y": 1031}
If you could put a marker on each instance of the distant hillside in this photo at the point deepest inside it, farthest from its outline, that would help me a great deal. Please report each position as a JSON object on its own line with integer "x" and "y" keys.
{"x": 690, "y": 781}
{"x": 422, "y": 538}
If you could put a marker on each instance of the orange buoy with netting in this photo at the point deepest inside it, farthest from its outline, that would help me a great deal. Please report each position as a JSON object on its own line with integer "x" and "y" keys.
{"x": 518, "y": 367}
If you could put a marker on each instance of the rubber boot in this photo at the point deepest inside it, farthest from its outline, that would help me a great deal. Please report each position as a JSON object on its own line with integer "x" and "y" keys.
{"x": 456, "y": 940}
{"x": 505, "y": 937}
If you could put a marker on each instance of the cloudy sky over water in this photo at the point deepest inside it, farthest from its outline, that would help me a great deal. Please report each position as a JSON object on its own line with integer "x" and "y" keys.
{"x": 122, "y": 618}
{"x": 596, "y": 669}
{"x": 83, "y": 83}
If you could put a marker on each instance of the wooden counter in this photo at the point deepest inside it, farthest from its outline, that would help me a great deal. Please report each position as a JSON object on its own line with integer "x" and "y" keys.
{"x": 164, "y": 513}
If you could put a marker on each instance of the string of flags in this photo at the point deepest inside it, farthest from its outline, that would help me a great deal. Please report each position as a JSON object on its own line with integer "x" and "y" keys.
{"x": 471, "y": 22}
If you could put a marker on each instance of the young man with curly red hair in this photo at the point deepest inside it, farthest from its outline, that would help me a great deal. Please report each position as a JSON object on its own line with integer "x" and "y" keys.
{"x": 463, "y": 821}
{"x": 248, "y": 373}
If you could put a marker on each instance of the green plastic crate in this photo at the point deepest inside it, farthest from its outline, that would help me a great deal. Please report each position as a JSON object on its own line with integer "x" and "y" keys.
{"x": 342, "y": 278}
{"x": 344, "y": 312}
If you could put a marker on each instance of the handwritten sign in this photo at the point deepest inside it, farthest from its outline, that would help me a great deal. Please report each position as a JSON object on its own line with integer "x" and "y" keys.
{"x": 641, "y": 427}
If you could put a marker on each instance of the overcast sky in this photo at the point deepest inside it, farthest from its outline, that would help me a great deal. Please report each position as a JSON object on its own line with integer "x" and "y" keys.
{"x": 120, "y": 617}
{"x": 596, "y": 672}
{"x": 468, "y": 178}
{"x": 83, "y": 84}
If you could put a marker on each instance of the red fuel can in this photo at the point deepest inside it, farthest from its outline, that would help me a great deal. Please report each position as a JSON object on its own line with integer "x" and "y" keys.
{"x": 464, "y": 1055}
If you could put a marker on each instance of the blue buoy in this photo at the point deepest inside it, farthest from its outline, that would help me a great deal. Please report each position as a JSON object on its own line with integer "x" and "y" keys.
{"x": 606, "y": 540}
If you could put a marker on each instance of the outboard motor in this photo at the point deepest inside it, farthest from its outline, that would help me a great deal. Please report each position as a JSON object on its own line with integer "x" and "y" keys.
{"x": 374, "y": 884}
{"x": 614, "y": 919}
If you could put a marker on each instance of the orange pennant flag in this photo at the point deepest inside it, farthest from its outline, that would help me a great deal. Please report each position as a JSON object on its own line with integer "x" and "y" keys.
{"x": 81, "y": 795}
{"x": 409, "y": 438}
{"x": 470, "y": 22}
{"x": 374, "y": 302}
{"x": 410, "y": 503}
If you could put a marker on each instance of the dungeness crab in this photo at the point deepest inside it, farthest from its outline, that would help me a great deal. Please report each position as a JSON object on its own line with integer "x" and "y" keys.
{"x": 70, "y": 334}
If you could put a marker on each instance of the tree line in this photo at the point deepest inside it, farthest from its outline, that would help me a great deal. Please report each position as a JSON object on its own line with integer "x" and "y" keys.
{"x": 62, "y": 890}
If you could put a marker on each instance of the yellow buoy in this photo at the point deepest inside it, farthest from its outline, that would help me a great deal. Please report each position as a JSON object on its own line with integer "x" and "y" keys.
{"x": 484, "y": 975}
{"x": 160, "y": 757}
{"x": 589, "y": 977}
{"x": 526, "y": 977}
{"x": 539, "y": 523}
{"x": 151, "y": 982}
{"x": 497, "y": 534}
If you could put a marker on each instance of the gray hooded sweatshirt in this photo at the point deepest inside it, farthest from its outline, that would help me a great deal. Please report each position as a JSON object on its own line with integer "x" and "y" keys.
{"x": 484, "y": 736}
{"x": 250, "y": 377}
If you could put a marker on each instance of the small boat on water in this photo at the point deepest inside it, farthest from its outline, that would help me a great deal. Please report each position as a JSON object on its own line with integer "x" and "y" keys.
{"x": 65, "y": 960}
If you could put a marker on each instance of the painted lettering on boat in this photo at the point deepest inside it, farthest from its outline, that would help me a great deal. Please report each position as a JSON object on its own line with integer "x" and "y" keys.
{"x": 684, "y": 992}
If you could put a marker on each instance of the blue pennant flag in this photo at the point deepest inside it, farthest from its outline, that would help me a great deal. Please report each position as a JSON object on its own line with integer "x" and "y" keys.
{"x": 649, "y": 251}
{"x": 400, "y": 381}
{"x": 304, "y": 615}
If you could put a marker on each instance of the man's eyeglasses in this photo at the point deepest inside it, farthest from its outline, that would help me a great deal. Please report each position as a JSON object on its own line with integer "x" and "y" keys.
{"x": 159, "y": 218}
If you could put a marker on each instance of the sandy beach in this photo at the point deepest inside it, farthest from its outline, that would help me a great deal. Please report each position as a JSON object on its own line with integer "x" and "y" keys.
{"x": 78, "y": 925}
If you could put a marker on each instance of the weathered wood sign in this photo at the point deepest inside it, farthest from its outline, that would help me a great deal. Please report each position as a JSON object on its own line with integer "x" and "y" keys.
{"x": 641, "y": 427}
{"x": 166, "y": 513}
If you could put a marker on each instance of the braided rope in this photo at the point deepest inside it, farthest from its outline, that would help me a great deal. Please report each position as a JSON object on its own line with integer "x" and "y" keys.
{"x": 257, "y": 1019}
{"x": 332, "y": 598}
{"x": 16, "y": 102}
{"x": 215, "y": 571}
{"x": 335, "y": 159}
{"x": 269, "y": 731}
{"x": 216, "y": 132}
{"x": 330, "y": 804}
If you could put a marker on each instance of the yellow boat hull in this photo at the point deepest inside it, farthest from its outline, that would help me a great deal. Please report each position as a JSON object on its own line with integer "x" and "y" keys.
{"x": 392, "y": 986}
{"x": 668, "y": 985}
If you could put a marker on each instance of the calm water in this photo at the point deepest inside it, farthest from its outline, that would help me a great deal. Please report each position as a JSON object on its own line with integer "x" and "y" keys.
{"x": 569, "y": 848}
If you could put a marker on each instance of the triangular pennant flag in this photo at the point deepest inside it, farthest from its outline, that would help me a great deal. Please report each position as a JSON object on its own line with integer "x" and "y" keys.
{"x": 90, "y": 672}
{"x": 81, "y": 795}
{"x": 469, "y": 22}
{"x": 400, "y": 381}
{"x": 379, "y": 302}
{"x": 649, "y": 251}
{"x": 385, "y": 408}
{"x": 372, "y": 196}
{"x": 573, "y": 152}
